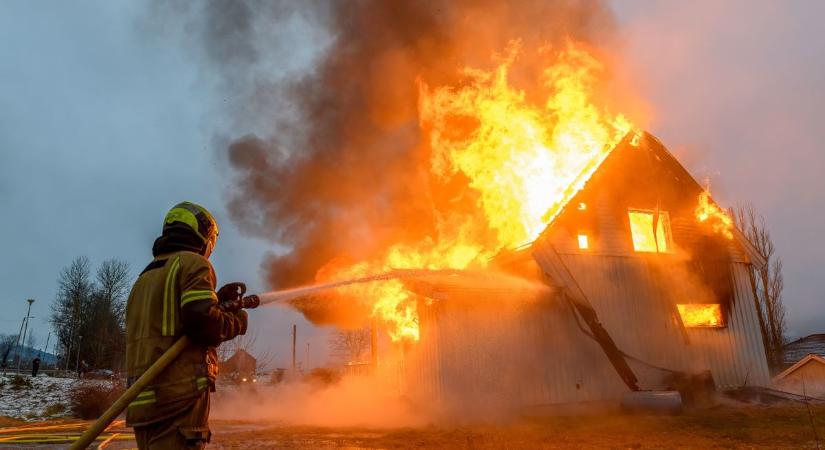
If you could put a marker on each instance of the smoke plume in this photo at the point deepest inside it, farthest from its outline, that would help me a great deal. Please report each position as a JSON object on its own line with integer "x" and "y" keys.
{"x": 323, "y": 133}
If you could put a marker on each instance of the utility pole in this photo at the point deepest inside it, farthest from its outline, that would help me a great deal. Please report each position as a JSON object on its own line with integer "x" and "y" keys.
{"x": 25, "y": 330}
{"x": 307, "y": 358}
{"x": 294, "y": 333}
{"x": 46, "y": 347}
{"x": 374, "y": 343}
{"x": 17, "y": 345}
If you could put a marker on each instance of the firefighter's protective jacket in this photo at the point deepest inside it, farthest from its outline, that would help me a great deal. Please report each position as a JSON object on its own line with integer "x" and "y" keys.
{"x": 173, "y": 296}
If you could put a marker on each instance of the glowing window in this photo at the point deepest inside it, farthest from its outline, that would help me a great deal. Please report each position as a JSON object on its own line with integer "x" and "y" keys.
{"x": 582, "y": 206}
{"x": 701, "y": 315}
{"x": 650, "y": 231}
{"x": 583, "y": 243}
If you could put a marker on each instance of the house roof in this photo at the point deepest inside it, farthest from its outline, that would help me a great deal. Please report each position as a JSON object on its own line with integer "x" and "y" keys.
{"x": 799, "y": 364}
{"x": 647, "y": 141}
{"x": 798, "y": 349}
{"x": 240, "y": 355}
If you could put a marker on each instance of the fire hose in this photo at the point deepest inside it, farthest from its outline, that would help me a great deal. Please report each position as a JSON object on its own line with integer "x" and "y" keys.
{"x": 180, "y": 345}
{"x": 153, "y": 371}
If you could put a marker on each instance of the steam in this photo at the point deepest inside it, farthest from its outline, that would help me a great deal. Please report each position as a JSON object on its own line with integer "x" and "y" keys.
{"x": 322, "y": 97}
{"x": 354, "y": 401}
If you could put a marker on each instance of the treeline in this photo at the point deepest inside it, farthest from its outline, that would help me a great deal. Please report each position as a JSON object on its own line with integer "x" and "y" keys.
{"x": 89, "y": 314}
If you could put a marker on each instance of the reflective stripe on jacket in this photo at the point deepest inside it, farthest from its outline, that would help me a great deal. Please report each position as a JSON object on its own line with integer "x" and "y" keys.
{"x": 156, "y": 316}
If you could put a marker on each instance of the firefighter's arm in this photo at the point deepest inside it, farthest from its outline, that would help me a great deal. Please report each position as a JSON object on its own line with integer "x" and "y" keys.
{"x": 203, "y": 321}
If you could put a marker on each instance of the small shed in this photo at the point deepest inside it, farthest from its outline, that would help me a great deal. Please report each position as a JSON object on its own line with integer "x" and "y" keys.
{"x": 806, "y": 377}
{"x": 240, "y": 362}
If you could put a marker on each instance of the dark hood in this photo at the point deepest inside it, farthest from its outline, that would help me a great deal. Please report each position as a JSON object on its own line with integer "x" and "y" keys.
{"x": 176, "y": 238}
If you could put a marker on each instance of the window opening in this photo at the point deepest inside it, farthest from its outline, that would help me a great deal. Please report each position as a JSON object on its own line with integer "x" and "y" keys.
{"x": 701, "y": 315}
{"x": 583, "y": 242}
{"x": 650, "y": 231}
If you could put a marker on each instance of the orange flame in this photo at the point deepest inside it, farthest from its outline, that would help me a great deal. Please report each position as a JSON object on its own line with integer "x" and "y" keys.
{"x": 709, "y": 212}
{"x": 701, "y": 315}
{"x": 522, "y": 163}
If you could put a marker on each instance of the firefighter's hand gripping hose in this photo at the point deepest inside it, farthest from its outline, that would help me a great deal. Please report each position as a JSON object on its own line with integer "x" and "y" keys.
{"x": 231, "y": 298}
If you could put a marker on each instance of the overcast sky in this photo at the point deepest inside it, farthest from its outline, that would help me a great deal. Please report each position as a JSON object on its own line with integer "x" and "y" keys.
{"x": 103, "y": 128}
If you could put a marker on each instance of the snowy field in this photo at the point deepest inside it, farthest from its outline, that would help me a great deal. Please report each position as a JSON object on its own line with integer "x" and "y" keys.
{"x": 46, "y": 398}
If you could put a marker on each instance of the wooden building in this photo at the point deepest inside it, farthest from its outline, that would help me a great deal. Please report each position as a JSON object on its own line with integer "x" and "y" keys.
{"x": 239, "y": 363}
{"x": 675, "y": 294}
{"x": 806, "y": 377}
{"x": 794, "y": 351}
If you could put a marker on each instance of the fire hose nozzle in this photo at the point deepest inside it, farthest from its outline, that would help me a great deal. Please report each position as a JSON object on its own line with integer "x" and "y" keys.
{"x": 248, "y": 302}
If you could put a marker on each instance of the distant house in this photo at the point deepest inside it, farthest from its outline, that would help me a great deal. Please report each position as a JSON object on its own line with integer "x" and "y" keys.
{"x": 793, "y": 352}
{"x": 806, "y": 377}
{"x": 240, "y": 362}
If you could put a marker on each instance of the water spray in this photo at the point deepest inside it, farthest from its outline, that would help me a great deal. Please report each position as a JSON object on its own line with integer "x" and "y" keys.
{"x": 455, "y": 276}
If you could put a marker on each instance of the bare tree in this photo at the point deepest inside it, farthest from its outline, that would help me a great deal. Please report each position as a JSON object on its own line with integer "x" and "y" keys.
{"x": 349, "y": 345}
{"x": 93, "y": 310}
{"x": 113, "y": 284}
{"x": 7, "y": 343}
{"x": 74, "y": 287}
{"x": 768, "y": 280}
{"x": 107, "y": 332}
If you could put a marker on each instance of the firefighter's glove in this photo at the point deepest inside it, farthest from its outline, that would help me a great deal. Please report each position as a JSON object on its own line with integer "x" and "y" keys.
{"x": 230, "y": 296}
{"x": 250, "y": 302}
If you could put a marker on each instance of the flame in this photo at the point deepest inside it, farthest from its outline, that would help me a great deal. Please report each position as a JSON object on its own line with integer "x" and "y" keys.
{"x": 707, "y": 211}
{"x": 645, "y": 237}
{"x": 521, "y": 161}
{"x": 701, "y": 315}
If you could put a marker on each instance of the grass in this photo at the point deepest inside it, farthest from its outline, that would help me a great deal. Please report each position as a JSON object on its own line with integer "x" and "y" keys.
{"x": 54, "y": 409}
{"x": 716, "y": 428}
{"x": 17, "y": 382}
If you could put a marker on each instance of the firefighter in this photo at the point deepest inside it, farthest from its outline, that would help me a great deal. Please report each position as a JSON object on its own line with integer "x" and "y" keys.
{"x": 175, "y": 295}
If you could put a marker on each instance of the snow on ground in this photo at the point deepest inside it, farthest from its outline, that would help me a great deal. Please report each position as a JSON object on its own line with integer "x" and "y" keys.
{"x": 36, "y": 402}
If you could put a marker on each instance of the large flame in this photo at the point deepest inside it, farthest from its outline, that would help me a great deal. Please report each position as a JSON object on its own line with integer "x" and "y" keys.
{"x": 521, "y": 162}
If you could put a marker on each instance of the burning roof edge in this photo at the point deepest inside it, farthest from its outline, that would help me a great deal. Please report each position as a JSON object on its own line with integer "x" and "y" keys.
{"x": 524, "y": 251}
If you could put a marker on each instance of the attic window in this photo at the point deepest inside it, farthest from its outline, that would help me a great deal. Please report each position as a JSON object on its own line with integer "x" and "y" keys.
{"x": 650, "y": 231}
{"x": 583, "y": 242}
{"x": 701, "y": 315}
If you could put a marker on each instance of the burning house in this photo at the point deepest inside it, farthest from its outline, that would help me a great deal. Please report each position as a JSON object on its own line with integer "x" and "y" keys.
{"x": 645, "y": 280}
{"x": 649, "y": 281}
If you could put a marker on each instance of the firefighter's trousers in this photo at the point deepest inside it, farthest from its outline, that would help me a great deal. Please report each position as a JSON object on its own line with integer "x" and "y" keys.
{"x": 187, "y": 430}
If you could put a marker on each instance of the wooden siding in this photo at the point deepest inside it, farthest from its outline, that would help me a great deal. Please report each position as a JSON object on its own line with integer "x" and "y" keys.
{"x": 515, "y": 354}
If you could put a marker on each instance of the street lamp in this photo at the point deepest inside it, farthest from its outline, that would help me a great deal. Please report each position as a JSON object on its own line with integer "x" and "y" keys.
{"x": 25, "y": 330}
